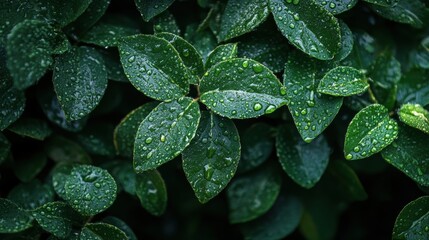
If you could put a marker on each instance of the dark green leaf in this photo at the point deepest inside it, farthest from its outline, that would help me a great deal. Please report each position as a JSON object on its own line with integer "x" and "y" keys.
{"x": 126, "y": 130}
{"x": 347, "y": 182}
{"x": 151, "y": 190}
{"x": 256, "y": 146}
{"x": 154, "y": 67}
{"x": 97, "y": 139}
{"x": 347, "y": 42}
{"x": 203, "y": 41}
{"x": 102, "y": 231}
{"x": 80, "y": 79}
{"x": 12, "y": 101}
{"x": 413, "y": 87}
{"x": 415, "y": 116}
{"x": 165, "y": 22}
{"x": 150, "y": 8}
{"x": 32, "y": 128}
{"x": 56, "y": 218}
{"x": 252, "y": 195}
{"x": 64, "y": 12}
{"x": 211, "y": 159}
{"x": 241, "y": 88}
{"x": 124, "y": 175}
{"x": 363, "y": 52}
{"x": 343, "y": 81}
{"x": 60, "y": 173}
{"x": 113, "y": 66}
{"x": 63, "y": 150}
{"x": 241, "y": 17}
{"x": 122, "y": 226}
{"x": 280, "y": 221}
{"x": 31, "y": 195}
{"x": 12, "y": 218}
{"x": 312, "y": 112}
{"x": 308, "y": 26}
{"x": 369, "y": 132}
{"x": 413, "y": 12}
{"x": 30, "y": 45}
{"x": 157, "y": 143}
{"x": 221, "y": 53}
{"x": 413, "y": 220}
{"x": 92, "y": 14}
{"x": 385, "y": 3}
{"x": 337, "y": 6}
{"x": 30, "y": 166}
{"x": 4, "y": 148}
{"x": 90, "y": 190}
{"x": 409, "y": 154}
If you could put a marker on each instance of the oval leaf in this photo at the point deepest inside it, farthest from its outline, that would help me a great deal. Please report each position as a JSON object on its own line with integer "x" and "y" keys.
{"x": 221, "y": 53}
{"x": 107, "y": 33}
{"x": 369, "y": 132}
{"x": 31, "y": 195}
{"x": 337, "y": 6}
{"x": 413, "y": 220}
{"x": 150, "y": 8}
{"x": 157, "y": 143}
{"x": 151, "y": 190}
{"x": 308, "y": 26}
{"x": 343, "y": 81}
{"x": 12, "y": 218}
{"x": 4, "y": 148}
{"x": 347, "y": 42}
{"x": 28, "y": 167}
{"x": 412, "y": 12}
{"x": 241, "y": 88}
{"x": 31, "y": 127}
{"x": 211, "y": 159}
{"x": 102, "y": 231}
{"x": 122, "y": 226}
{"x": 415, "y": 116}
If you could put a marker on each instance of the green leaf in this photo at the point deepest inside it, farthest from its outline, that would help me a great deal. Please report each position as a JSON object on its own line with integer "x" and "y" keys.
{"x": 32, "y": 128}
{"x": 121, "y": 225}
{"x": 64, "y": 12}
{"x": 165, "y": 22}
{"x": 412, "y": 12}
{"x": 385, "y": 3}
{"x": 256, "y": 146}
{"x": 241, "y": 88}
{"x": 86, "y": 20}
{"x": 346, "y": 181}
{"x": 211, "y": 159}
{"x": 127, "y": 129}
{"x": 304, "y": 162}
{"x": 113, "y": 65}
{"x": 30, "y": 166}
{"x": 12, "y": 101}
{"x": 337, "y": 6}
{"x": 409, "y": 154}
{"x": 242, "y": 17}
{"x": 151, "y": 190}
{"x": 90, "y": 190}
{"x": 63, "y": 150}
{"x": 347, "y": 42}
{"x": 189, "y": 55}
{"x": 157, "y": 143}
{"x": 59, "y": 174}
{"x": 57, "y": 218}
{"x": 97, "y": 139}
{"x": 343, "y": 81}
{"x": 363, "y": 52}
{"x": 31, "y": 195}
{"x": 203, "y": 41}
{"x": 280, "y": 221}
{"x": 221, "y": 53}
{"x": 312, "y": 112}
{"x": 252, "y": 195}
{"x": 413, "y": 87}
{"x": 13, "y": 219}
{"x": 154, "y": 67}
{"x": 4, "y": 148}
{"x": 369, "y": 132}
{"x": 415, "y": 116}
{"x": 151, "y": 8}
{"x": 308, "y": 26}
{"x": 80, "y": 79}
{"x": 413, "y": 220}
{"x": 124, "y": 175}
{"x": 30, "y": 45}
{"x": 102, "y": 231}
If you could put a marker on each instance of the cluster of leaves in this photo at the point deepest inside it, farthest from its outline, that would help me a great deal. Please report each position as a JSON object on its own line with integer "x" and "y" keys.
{"x": 177, "y": 85}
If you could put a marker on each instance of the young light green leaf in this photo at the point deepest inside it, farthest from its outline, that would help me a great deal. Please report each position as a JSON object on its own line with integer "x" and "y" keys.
{"x": 312, "y": 112}
{"x": 415, "y": 116}
{"x": 241, "y": 88}
{"x": 151, "y": 190}
{"x": 211, "y": 159}
{"x": 107, "y": 33}
{"x": 127, "y": 129}
{"x": 165, "y": 22}
{"x": 30, "y": 46}
{"x": 413, "y": 220}
{"x": 157, "y": 143}
{"x": 102, "y": 231}
{"x": 189, "y": 55}
{"x": 4, "y": 148}
{"x": 337, "y": 6}
{"x": 63, "y": 150}
{"x": 86, "y": 20}
{"x": 90, "y": 190}
{"x": 409, "y": 154}
{"x": 347, "y": 42}
{"x": 280, "y": 221}
{"x": 151, "y": 8}
{"x": 369, "y": 132}
{"x": 154, "y": 67}
{"x": 32, "y": 128}
{"x": 31, "y": 195}
{"x": 412, "y": 12}
{"x": 343, "y": 81}
{"x": 413, "y": 87}
{"x": 80, "y": 79}
{"x": 242, "y": 17}
{"x": 308, "y": 26}
{"x": 121, "y": 225}
{"x": 304, "y": 162}
{"x": 221, "y": 53}
{"x": 29, "y": 166}
{"x": 57, "y": 218}
{"x": 97, "y": 139}
{"x": 256, "y": 146}
{"x": 13, "y": 219}
{"x": 252, "y": 195}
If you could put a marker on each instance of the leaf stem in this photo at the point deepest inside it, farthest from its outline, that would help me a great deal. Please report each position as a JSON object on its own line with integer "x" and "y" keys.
{"x": 372, "y": 96}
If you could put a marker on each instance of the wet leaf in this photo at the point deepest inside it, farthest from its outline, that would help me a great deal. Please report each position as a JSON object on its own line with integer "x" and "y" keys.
{"x": 31, "y": 195}
{"x": 343, "y": 82}
{"x": 31, "y": 127}
{"x": 203, "y": 41}
{"x": 337, "y": 6}
{"x": 165, "y": 22}
{"x": 29, "y": 166}
{"x": 121, "y": 225}
{"x": 413, "y": 12}
{"x": 211, "y": 159}
{"x": 151, "y": 8}
{"x": 415, "y": 116}
{"x": 221, "y": 53}
{"x": 97, "y": 139}
{"x": 347, "y": 182}
{"x": 4, "y": 148}
{"x": 413, "y": 88}
{"x": 412, "y": 222}
{"x": 12, "y": 102}
{"x": 151, "y": 190}
{"x": 63, "y": 150}
{"x": 102, "y": 231}
{"x": 347, "y": 42}
{"x": 87, "y": 19}
{"x": 13, "y": 219}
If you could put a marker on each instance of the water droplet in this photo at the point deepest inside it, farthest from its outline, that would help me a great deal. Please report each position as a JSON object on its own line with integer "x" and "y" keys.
{"x": 295, "y": 2}
{"x": 332, "y": 5}
{"x": 349, "y": 156}
{"x": 270, "y": 109}
{"x": 257, "y": 107}
{"x": 208, "y": 172}
{"x": 356, "y": 149}
{"x": 282, "y": 91}
{"x": 257, "y": 68}
{"x": 210, "y": 152}
{"x": 148, "y": 140}
{"x": 162, "y": 138}
{"x": 149, "y": 155}
{"x": 97, "y": 185}
{"x": 131, "y": 59}
{"x": 245, "y": 64}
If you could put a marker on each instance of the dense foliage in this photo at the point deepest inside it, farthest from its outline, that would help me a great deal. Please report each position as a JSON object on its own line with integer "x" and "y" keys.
{"x": 207, "y": 119}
